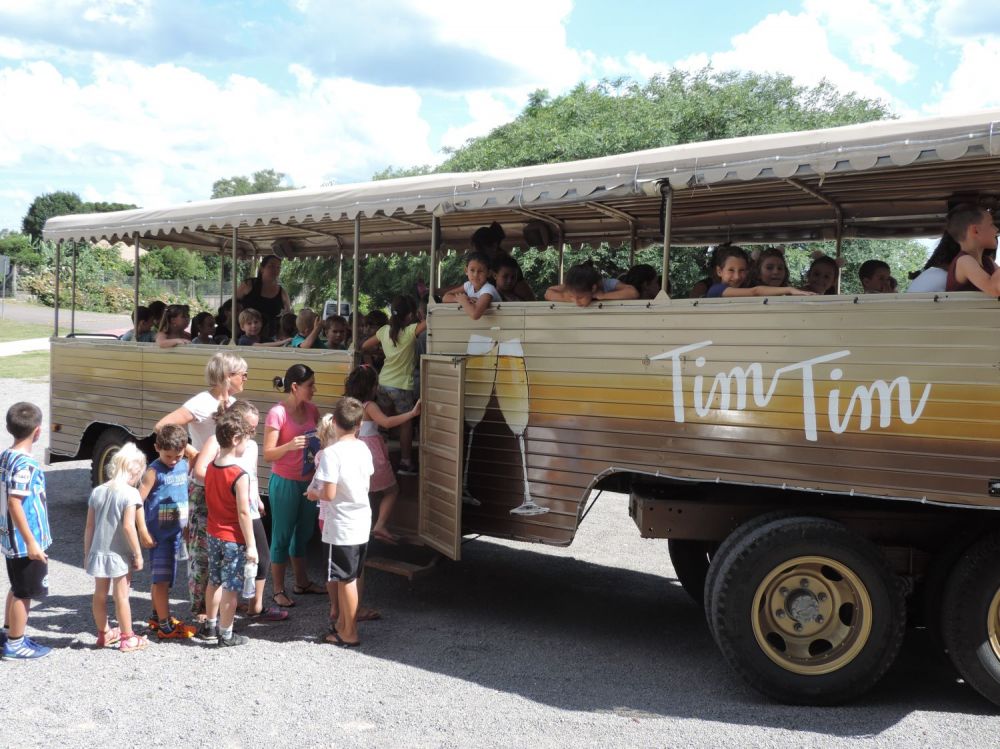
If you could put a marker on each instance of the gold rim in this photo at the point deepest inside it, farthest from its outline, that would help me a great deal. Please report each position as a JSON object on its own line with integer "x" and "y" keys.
{"x": 993, "y": 623}
{"x": 812, "y": 615}
{"x": 102, "y": 471}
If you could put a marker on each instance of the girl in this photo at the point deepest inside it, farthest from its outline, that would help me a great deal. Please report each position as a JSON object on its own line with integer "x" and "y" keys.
{"x": 173, "y": 327}
{"x": 223, "y": 321}
{"x": 510, "y": 281}
{"x": 770, "y": 268}
{"x": 645, "y": 279}
{"x": 226, "y": 375}
{"x": 733, "y": 267}
{"x": 822, "y": 275}
{"x": 584, "y": 284}
{"x": 477, "y": 293}
{"x": 398, "y": 340}
{"x": 934, "y": 275}
{"x": 248, "y": 462}
{"x": 203, "y": 328}
{"x": 362, "y": 384}
{"x": 111, "y": 546}
{"x": 289, "y": 429}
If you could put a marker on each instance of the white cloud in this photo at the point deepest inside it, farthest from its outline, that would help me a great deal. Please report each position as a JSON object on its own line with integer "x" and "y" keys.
{"x": 487, "y": 110}
{"x": 970, "y": 86}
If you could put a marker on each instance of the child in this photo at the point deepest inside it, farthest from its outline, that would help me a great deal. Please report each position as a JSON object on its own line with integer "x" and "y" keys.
{"x": 156, "y": 310}
{"x": 341, "y": 485}
{"x": 336, "y": 332}
{"x": 398, "y": 341}
{"x": 307, "y": 328}
{"x": 370, "y": 325}
{"x": 227, "y": 489}
{"x": 203, "y": 328}
{"x": 973, "y": 268}
{"x": 223, "y": 321}
{"x": 164, "y": 494}
{"x": 584, "y": 284}
{"x": 477, "y": 293}
{"x": 362, "y": 384}
{"x": 173, "y": 327}
{"x": 142, "y": 319}
{"x": 248, "y": 462}
{"x": 111, "y": 546}
{"x": 24, "y": 530}
{"x": 286, "y": 326}
{"x": 823, "y": 275}
{"x": 509, "y": 280}
{"x": 732, "y": 266}
{"x": 644, "y": 278}
{"x": 251, "y": 324}
{"x": 770, "y": 268}
{"x": 875, "y": 275}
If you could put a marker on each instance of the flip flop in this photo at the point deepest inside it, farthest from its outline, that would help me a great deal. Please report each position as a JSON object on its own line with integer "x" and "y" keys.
{"x": 385, "y": 537}
{"x": 312, "y": 589}
{"x": 340, "y": 642}
{"x": 272, "y": 614}
{"x": 289, "y": 605}
{"x": 368, "y": 615}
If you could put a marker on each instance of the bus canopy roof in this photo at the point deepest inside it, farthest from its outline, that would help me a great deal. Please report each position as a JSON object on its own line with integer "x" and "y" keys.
{"x": 890, "y": 178}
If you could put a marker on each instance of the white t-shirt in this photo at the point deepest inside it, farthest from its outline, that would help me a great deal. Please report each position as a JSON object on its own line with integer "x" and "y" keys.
{"x": 203, "y": 407}
{"x": 248, "y": 462}
{"x": 486, "y": 288}
{"x": 347, "y": 520}
{"x": 932, "y": 279}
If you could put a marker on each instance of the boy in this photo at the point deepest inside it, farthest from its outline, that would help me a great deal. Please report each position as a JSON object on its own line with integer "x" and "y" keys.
{"x": 973, "y": 268}
{"x": 230, "y": 530}
{"x": 252, "y": 325}
{"x": 164, "y": 494}
{"x": 142, "y": 332}
{"x": 342, "y": 479}
{"x": 24, "y": 530}
{"x": 875, "y": 275}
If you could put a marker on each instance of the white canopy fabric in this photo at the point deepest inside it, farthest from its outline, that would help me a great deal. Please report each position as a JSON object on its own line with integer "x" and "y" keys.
{"x": 797, "y": 156}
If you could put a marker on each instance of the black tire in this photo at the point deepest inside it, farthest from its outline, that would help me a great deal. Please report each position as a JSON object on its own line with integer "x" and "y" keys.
{"x": 108, "y": 442}
{"x": 808, "y": 612}
{"x": 690, "y": 561}
{"x": 970, "y": 619}
{"x": 934, "y": 585}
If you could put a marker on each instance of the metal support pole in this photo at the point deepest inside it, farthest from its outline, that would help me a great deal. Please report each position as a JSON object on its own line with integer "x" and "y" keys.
{"x": 562, "y": 249}
{"x": 435, "y": 241}
{"x": 355, "y": 318}
{"x": 668, "y": 206}
{"x": 232, "y": 312}
{"x": 222, "y": 275}
{"x": 633, "y": 240}
{"x": 840, "y": 241}
{"x": 135, "y": 289}
{"x": 58, "y": 261}
{"x": 340, "y": 282}
{"x": 72, "y": 307}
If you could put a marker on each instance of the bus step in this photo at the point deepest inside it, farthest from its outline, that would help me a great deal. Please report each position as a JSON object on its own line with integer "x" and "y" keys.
{"x": 410, "y": 570}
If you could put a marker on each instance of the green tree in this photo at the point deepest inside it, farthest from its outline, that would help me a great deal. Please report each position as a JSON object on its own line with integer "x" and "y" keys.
{"x": 21, "y": 250}
{"x": 265, "y": 180}
{"x": 173, "y": 263}
{"x": 45, "y": 207}
{"x": 393, "y": 172}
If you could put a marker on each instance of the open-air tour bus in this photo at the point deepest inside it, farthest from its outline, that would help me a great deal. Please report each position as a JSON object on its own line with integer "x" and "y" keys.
{"x": 817, "y": 459}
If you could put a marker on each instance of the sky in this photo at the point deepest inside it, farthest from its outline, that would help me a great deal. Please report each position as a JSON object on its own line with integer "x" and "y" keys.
{"x": 151, "y": 101}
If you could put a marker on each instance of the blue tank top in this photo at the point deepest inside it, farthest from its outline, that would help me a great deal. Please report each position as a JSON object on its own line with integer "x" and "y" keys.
{"x": 166, "y": 505}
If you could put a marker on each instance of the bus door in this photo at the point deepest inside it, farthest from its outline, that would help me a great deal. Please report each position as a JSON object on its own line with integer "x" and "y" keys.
{"x": 442, "y": 438}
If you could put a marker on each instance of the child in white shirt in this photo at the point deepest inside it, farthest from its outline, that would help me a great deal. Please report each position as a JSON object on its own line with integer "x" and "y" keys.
{"x": 477, "y": 294}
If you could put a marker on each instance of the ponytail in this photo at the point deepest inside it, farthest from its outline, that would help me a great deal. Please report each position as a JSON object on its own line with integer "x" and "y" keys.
{"x": 296, "y": 375}
{"x": 401, "y": 311}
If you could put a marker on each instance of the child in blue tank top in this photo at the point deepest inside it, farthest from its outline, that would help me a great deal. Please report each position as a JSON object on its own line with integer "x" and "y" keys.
{"x": 165, "y": 504}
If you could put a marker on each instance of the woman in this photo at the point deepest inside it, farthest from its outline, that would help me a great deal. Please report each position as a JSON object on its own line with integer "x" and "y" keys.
{"x": 264, "y": 294}
{"x": 226, "y": 374}
{"x": 290, "y": 447}
{"x": 934, "y": 275}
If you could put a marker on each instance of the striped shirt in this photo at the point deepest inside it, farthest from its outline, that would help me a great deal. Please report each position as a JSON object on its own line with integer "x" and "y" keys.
{"x": 21, "y": 476}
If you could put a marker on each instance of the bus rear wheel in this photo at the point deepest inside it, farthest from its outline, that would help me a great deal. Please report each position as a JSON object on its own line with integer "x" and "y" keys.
{"x": 107, "y": 444}
{"x": 970, "y": 617}
{"x": 807, "y": 612}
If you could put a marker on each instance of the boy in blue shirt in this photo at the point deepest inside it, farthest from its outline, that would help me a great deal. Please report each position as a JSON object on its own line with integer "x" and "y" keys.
{"x": 24, "y": 529}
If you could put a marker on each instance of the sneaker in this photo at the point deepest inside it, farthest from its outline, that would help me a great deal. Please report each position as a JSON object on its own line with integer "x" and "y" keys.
{"x": 233, "y": 641}
{"x": 208, "y": 631}
{"x": 153, "y": 623}
{"x": 177, "y": 630}
{"x": 407, "y": 469}
{"x": 26, "y": 650}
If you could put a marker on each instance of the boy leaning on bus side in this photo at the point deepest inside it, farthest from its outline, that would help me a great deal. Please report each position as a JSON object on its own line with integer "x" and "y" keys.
{"x": 973, "y": 268}
{"x": 24, "y": 530}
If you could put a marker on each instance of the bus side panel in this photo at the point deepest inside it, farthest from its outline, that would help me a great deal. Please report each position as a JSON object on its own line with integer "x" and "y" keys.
{"x": 894, "y": 397}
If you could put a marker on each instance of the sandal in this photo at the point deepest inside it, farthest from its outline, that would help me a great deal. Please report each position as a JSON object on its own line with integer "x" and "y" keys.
{"x": 384, "y": 536}
{"x": 309, "y": 589}
{"x": 272, "y": 614}
{"x": 368, "y": 615}
{"x": 334, "y": 639}
{"x": 109, "y": 637}
{"x": 290, "y": 604}
{"x": 132, "y": 643}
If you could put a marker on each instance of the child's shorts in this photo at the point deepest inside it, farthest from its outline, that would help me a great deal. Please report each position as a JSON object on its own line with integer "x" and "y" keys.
{"x": 346, "y": 562}
{"x": 29, "y": 578}
{"x": 399, "y": 400}
{"x": 225, "y": 564}
{"x": 163, "y": 558}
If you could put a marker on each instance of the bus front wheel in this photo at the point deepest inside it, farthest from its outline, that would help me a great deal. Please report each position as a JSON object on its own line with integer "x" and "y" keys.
{"x": 690, "y": 561}
{"x": 107, "y": 444}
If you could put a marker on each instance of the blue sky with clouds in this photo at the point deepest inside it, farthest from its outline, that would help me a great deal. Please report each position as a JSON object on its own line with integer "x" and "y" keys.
{"x": 149, "y": 101}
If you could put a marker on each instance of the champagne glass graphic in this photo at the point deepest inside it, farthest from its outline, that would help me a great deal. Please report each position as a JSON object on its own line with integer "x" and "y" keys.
{"x": 480, "y": 372}
{"x": 511, "y": 386}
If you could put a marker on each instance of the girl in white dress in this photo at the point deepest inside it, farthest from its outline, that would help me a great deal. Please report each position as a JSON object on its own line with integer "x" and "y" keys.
{"x": 111, "y": 546}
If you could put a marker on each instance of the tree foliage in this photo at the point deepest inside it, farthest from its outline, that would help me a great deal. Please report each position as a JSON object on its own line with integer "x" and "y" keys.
{"x": 264, "y": 180}
{"x": 61, "y": 203}
{"x": 173, "y": 263}
{"x": 21, "y": 250}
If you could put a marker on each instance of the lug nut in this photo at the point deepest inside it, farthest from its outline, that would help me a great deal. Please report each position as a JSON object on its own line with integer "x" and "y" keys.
{"x": 780, "y": 613}
{"x": 804, "y": 583}
{"x": 819, "y": 619}
{"x": 821, "y": 596}
{"x": 798, "y": 627}
{"x": 783, "y": 591}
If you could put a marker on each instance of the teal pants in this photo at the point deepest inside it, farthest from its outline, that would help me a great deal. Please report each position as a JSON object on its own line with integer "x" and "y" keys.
{"x": 293, "y": 518}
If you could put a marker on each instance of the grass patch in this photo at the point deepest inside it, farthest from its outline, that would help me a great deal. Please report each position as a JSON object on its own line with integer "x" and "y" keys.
{"x": 19, "y": 331}
{"x": 25, "y": 366}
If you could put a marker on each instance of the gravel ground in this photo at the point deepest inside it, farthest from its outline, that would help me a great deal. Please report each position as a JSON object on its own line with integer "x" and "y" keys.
{"x": 594, "y": 645}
